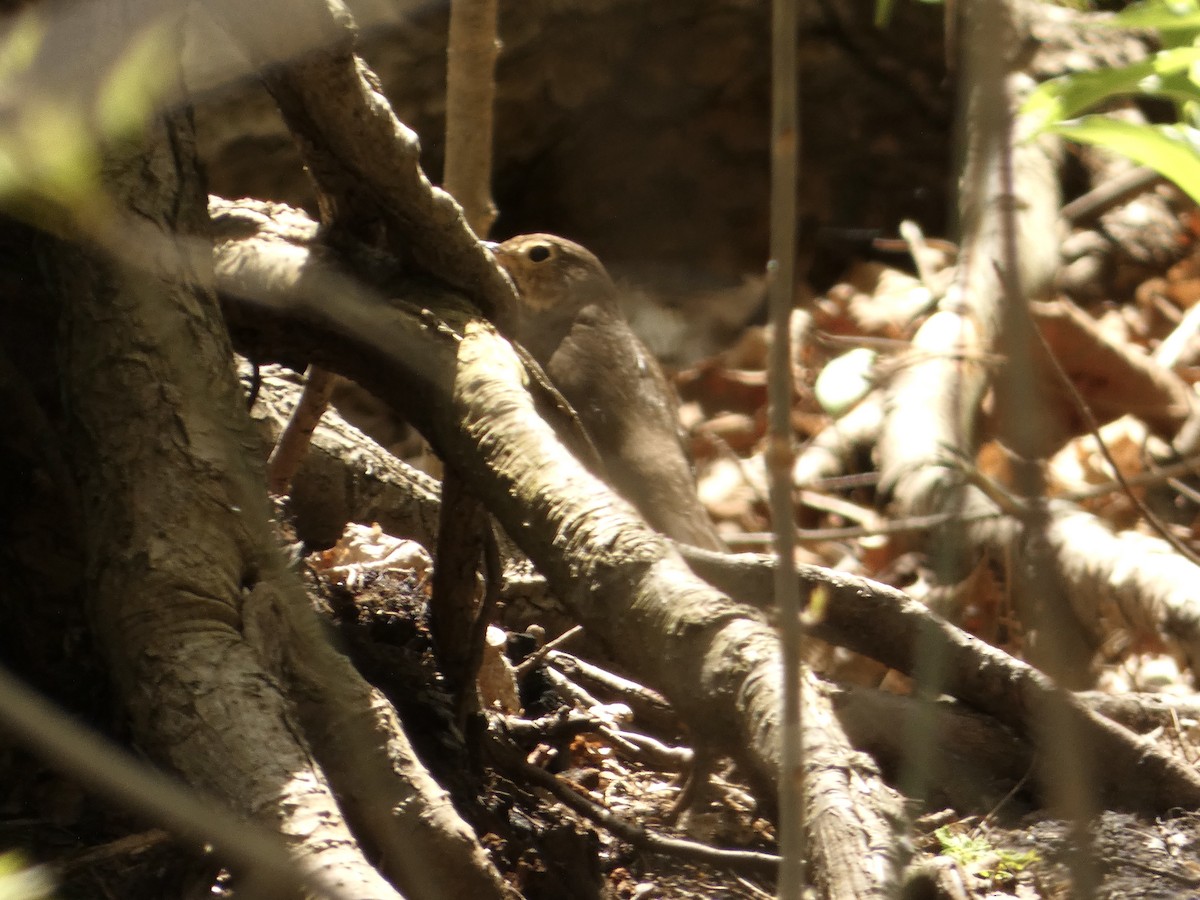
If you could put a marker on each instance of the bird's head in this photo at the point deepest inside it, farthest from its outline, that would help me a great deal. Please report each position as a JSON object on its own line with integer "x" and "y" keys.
{"x": 553, "y": 275}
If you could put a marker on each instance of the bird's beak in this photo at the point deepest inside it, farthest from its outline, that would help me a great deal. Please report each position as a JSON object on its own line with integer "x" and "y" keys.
{"x": 491, "y": 245}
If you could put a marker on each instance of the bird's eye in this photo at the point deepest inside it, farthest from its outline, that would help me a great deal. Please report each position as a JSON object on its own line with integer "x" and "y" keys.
{"x": 539, "y": 253}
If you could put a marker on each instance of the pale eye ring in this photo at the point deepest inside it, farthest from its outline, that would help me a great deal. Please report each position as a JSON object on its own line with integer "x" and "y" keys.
{"x": 539, "y": 253}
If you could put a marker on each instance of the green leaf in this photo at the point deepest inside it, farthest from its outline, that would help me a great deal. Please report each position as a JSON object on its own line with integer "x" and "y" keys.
{"x": 21, "y": 45}
{"x": 21, "y": 881}
{"x": 60, "y": 157}
{"x": 1171, "y": 150}
{"x": 1166, "y": 74}
{"x": 49, "y": 152}
{"x": 964, "y": 848}
{"x": 1171, "y": 17}
{"x": 137, "y": 82}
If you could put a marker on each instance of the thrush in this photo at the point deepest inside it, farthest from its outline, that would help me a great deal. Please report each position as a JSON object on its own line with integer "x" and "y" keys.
{"x": 571, "y": 323}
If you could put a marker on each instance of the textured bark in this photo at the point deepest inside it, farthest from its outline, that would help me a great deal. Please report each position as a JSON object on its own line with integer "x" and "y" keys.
{"x": 1115, "y": 580}
{"x": 346, "y": 477}
{"x": 854, "y": 818}
{"x": 464, "y": 387}
{"x": 458, "y": 623}
{"x": 176, "y": 524}
{"x": 976, "y": 764}
{"x": 442, "y": 369}
{"x": 885, "y": 624}
{"x": 363, "y": 161}
{"x": 213, "y": 647}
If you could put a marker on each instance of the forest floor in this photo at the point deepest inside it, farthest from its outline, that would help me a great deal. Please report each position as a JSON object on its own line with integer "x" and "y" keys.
{"x": 618, "y": 747}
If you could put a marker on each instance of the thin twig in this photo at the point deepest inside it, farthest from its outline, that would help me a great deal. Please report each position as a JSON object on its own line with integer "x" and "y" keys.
{"x": 1070, "y": 773}
{"x": 906, "y": 525}
{"x": 531, "y": 662}
{"x": 470, "y": 88}
{"x": 292, "y": 446}
{"x": 1109, "y": 195}
{"x": 649, "y": 706}
{"x": 745, "y": 861}
{"x": 781, "y": 453}
{"x": 464, "y": 530}
{"x": 114, "y": 851}
{"x": 1186, "y": 466}
{"x": 844, "y": 482}
{"x": 493, "y": 583}
{"x": 1094, "y": 429}
{"x": 650, "y": 750}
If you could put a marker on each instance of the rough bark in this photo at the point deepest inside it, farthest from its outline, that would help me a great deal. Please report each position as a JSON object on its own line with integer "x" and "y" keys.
{"x": 1125, "y": 579}
{"x": 211, "y": 642}
{"x": 457, "y": 621}
{"x": 463, "y": 386}
{"x": 977, "y": 762}
{"x": 176, "y": 537}
{"x": 884, "y": 624}
{"x": 346, "y": 477}
{"x": 854, "y": 819}
{"x": 362, "y": 159}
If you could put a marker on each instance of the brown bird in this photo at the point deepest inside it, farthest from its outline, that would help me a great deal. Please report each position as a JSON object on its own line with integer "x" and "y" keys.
{"x": 572, "y": 325}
